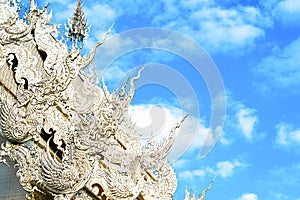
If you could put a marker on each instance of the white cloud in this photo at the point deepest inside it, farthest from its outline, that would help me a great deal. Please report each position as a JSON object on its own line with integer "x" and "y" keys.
{"x": 192, "y": 174}
{"x": 135, "y": 47}
{"x": 280, "y": 70}
{"x": 275, "y": 195}
{"x": 63, "y": 2}
{"x": 224, "y": 169}
{"x": 218, "y": 29}
{"x": 100, "y": 16}
{"x": 152, "y": 120}
{"x": 158, "y": 120}
{"x": 114, "y": 73}
{"x": 180, "y": 163}
{"x": 288, "y": 175}
{"x": 225, "y": 141}
{"x": 247, "y": 121}
{"x": 186, "y": 175}
{"x": 287, "y": 12}
{"x": 248, "y": 196}
{"x": 240, "y": 119}
{"x": 287, "y": 136}
{"x": 62, "y": 15}
{"x": 113, "y": 48}
{"x": 279, "y": 196}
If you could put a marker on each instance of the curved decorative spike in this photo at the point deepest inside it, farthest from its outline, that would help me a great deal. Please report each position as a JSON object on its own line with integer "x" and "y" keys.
{"x": 178, "y": 125}
{"x": 131, "y": 85}
{"x": 205, "y": 190}
{"x": 32, "y": 5}
{"x": 89, "y": 60}
{"x": 154, "y": 154}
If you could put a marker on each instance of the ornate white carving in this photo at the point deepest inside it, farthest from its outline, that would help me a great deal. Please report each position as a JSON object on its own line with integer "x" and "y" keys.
{"x": 69, "y": 138}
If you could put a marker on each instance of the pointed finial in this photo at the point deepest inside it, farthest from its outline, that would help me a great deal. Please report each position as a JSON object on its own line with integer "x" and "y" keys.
{"x": 77, "y": 27}
{"x": 205, "y": 190}
{"x": 32, "y": 5}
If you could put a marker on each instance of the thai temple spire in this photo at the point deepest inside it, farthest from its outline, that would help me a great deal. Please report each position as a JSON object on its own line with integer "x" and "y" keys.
{"x": 68, "y": 137}
{"x": 32, "y": 5}
{"x": 77, "y": 27}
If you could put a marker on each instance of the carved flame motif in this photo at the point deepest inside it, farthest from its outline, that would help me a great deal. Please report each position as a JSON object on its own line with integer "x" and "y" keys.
{"x": 69, "y": 138}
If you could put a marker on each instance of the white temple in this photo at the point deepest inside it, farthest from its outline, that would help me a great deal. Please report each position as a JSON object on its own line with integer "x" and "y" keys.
{"x": 68, "y": 137}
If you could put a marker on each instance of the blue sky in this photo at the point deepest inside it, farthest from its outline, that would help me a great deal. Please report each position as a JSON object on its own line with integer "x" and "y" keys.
{"x": 256, "y": 48}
